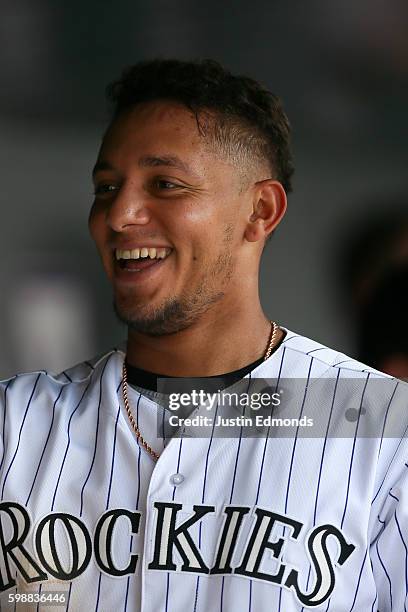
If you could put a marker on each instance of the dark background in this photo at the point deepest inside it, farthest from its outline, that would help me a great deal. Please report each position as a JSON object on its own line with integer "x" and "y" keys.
{"x": 342, "y": 71}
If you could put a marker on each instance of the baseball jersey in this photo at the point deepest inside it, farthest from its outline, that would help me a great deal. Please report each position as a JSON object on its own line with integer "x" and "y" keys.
{"x": 300, "y": 517}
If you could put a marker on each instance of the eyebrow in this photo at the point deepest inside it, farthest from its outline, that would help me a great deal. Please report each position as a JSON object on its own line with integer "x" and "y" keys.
{"x": 150, "y": 161}
{"x": 171, "y": 161}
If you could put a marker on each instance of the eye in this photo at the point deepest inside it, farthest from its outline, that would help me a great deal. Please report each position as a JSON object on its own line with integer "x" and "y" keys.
{"x": 166, "y": 185}
{"x": 104, "y": 188}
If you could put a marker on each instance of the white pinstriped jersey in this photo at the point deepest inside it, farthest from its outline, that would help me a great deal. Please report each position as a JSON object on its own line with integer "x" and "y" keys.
{"x": 217, "y": 524}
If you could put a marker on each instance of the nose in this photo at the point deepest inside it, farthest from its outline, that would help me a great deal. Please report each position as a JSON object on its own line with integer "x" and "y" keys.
{"x": 127, "y": 208}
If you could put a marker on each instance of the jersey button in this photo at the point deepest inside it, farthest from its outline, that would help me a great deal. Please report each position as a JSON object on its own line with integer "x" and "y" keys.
{"x": 176, "y": 479}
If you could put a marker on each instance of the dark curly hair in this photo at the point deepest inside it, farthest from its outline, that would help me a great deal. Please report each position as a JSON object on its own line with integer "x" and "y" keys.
{"x": 247, "y": 119}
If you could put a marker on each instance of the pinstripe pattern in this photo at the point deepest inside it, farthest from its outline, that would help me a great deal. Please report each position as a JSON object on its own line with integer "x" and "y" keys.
{"x": 108, "y": 497}
{"x": 385, "y": 572}
{"x": 386, "y": 415}
{"x": 137, "y": 500}
{"x": 406, "y": 558}
{"x": 293, "y": 455}
{"x": 397, "y": 449}
{"x": 261, "y": 470}
{"x": 3, "y": 430}
{"x": 84, "y": 460}
{"x": 180, "y": 446}
{"x": 95, "y": 445}
{"x": 352, "y": 454}
{"x": 45, "y": 446}
{"x": 233, "y": 483}
{"x": 358, "y": 583}
{"x": 91, "y": 466}
{"x": 68, "y": 444}
{"x": 202, "y": 501}
{"x": 321, "y": 468}
{"x": 19, "y": 435}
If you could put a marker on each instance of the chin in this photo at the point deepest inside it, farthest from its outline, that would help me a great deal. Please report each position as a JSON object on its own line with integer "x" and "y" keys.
{"x": 168, "y": 318}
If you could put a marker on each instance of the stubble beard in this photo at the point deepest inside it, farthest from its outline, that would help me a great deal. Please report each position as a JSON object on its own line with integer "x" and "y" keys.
{"x": 178, "y": 313}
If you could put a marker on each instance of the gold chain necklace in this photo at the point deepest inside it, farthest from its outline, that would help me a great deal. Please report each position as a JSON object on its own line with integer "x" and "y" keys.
{"x": 140, "y": 438}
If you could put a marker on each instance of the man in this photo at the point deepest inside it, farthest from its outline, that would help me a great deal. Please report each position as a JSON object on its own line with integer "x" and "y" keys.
{"x": 101, "y": 505}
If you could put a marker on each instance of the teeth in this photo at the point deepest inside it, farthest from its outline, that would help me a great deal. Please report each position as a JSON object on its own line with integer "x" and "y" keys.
{"x": 151, "y": 252}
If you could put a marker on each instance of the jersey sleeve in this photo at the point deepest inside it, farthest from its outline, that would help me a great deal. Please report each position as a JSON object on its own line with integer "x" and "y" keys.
{"x": 389, "y": 542}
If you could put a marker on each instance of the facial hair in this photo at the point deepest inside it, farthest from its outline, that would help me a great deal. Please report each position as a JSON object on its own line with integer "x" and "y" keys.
{"x": 178, "y": 313}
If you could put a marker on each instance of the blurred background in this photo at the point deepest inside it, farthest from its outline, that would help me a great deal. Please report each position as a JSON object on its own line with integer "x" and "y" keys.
{"x": 336, "y": 270}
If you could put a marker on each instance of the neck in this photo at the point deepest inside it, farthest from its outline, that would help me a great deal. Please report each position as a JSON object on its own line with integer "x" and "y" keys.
{"x": 213, "y": 345}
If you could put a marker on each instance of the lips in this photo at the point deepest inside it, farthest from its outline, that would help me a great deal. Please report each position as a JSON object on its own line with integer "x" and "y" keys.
{"x": 135, "y": 265}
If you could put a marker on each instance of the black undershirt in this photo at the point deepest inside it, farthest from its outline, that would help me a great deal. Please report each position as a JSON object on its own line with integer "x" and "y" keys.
{"x": 148, "y": 380}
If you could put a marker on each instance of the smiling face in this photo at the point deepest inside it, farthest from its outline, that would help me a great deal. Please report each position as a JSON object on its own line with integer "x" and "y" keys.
{"x": 168, "y": 219}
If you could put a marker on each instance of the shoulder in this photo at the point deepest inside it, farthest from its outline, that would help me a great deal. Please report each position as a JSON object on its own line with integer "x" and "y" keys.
{"x": 330, "y": 384}
{"x": 45, "y": 384}
{"x": 306, "y": 348}
{"x": 353, "y": 403}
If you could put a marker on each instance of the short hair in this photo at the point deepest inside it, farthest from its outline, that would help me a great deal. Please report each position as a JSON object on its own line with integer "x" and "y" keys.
{"x": 247, "y": 119}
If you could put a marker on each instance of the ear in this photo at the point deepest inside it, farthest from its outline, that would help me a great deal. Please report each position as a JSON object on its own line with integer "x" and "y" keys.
{"x": 269, "y": 206}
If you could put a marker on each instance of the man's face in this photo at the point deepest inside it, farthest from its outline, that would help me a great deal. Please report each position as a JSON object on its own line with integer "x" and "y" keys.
{"x": 159, "y": 186}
